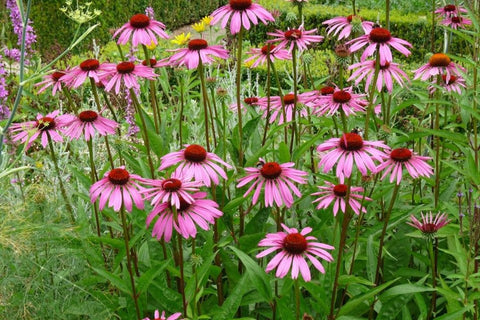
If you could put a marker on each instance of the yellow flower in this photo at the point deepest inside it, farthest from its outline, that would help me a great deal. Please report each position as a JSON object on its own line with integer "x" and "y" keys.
{"x": 206, "y": 20}
{"x": 38, "y": 164}
{"x": 181, "y": 39}
{"x": 199, "y": 26}
{"x": 249, "y": 63}
{"x": 152, "y": 46}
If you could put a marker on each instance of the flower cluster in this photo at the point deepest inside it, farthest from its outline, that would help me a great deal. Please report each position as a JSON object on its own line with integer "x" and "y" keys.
{"x": 4, "y": 110}
{"x": 17, "y": 23}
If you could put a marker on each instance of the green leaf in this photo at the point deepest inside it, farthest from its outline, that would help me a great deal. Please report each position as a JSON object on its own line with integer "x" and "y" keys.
{"x": 146, "y": 279}
{"x": 404, "y": 289}
{"x": 233, "y": 205}
{"x": 349, "y": 279}
{"x": 114, "y": 280}
{"x": 230, "y": 306}
{"x": 283, "y": 152}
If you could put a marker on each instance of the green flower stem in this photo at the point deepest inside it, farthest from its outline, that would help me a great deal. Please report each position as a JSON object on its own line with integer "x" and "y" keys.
{"x": 280, "y": 93}
{"x": 201, "y": 75}
{"x": 238, "y": 88}
{"x": 60, "y": 180}
{"x": 269, "y": 77}
{"x": 153, "y": 95}
{"x": 71, "y": 105}
{"x": 182, "y": 107}
{"x": 371, "y": 95}
{"x": 182, "y": 275}
{"x": 295, "y": 130}
{"x": 433, "y": 252}
{"x": 436, "y": 193}
{"x": 297, "y": 300}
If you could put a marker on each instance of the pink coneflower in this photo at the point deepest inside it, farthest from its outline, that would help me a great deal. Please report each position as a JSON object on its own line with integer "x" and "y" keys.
{"x": 327, "y": 90}
{"x": 184, "y": 219}
{"x": 89, "y": 68}
{"x": 118, "y": 187}
{"x": 142, "y": 30}
{"x": 157, "y": 316}
{"x": 295, "y": 37}
{"x": 456, "y": 22}
{"x": 345, "y": 99}
{"x": 343, "y": 26}
{"x": 51, "y": 80}
{"x": 294, "y": 248}
{"x": 250, "y": 101}
{"x": 379, "y": 39}
{"x": 350, "y": 149}
{"x": 429, "y": 224}
{"x": 198, "y": 49}
{"x": 402, "y": 157}
{"x": 277, "y": 180}
{"x": 454, "y": 84}
{"x": 450, "y": 10}
{"x": 439, "y": 63}
{"x": 260, "y": 55}
{"x": 44, "y": 126}
{"x": 243, "y": 13}
{"x": 289, "y": 100}
{"x": 126, "y": 72}
{"x": 170, "y": 190}
{"x": 195, "y": 162}
{"x": 87, "y": 123}
{"x": 387, "y": 73}
{"x": 338, "y": 194}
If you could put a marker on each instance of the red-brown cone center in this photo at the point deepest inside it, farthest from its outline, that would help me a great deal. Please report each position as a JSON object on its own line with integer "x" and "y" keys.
{"x": 450, "y": 81}
{"x": 57, "y": 75}
{"x": 89, "y": 65}
{"x": 295, "y": 243}
{"x": 350, "y": 18}
{"x": 351, "y": 141}
{"x": 171, "y": 185}
{"x": 88, "y": 116}
{"x": 149, "y": 63}
{"x": 293, "y": 34}
{"x": 439, "y": 60}
{"x": 385, "y": 66}
{"x": 118, "y": 176}
{"x": 401, "y": 155}
{"x": 195, "y": 153}
{"x": 380, "y": 35}
{"x": 341, "y": 96}
{"x": 268, "y": 48}
{"x": 240, "y": 4}
{"x": 340, "y": 190}
{"x": 197, "y": 44}
{"x": 429, "y": 228}
{"x": 327, "y": 90}
{"x": 250, "y": 101}
{"x": 449, "y": 8}
{"x": 457, "y": 19}
{"x": 46, "y": 123}
{"x": 125, "y": 67}
{"x": 271, "y": 170}
{"x": 289, "y": 98}
{"x": 139, "y": 21}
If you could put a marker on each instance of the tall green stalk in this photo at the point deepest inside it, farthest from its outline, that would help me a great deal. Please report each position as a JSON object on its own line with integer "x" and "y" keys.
{"x": 201, "y": 75}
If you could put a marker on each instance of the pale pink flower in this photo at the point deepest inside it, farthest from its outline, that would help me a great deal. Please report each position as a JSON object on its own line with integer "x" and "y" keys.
{"x": 157, "y": 316}
{"x": 429, "y": 224}
{"x": 87, "y": 123}
{"x": 268, "y": 50}
{"x": 44, "y": 126}
{"x": 197, "y": 50}
{"x": 89, "y": 68}
{"x": 200, "y": 212}
{"x": 51, "y": 80}
{"x": 454, "y": 84}
{"x": 343, "y": 26}
{"x": 438, "y": 64}
{"x": 402, "y": 157}
{"x": 350, "y": 149}
{"x": 276, "y": 180}
{"x": 289, "y": 100}
{"x": 450, "y": 10}
{"x": 195, "y": 162}
{"x": 387, "y": 73}
{"x": 243, "y": 13}
{"x": 379, "y": 39}
{"x": 456, "y": 22}
{"x": 142, "y": 30}
{"x": 338, "y": 195}
{"x": 294, "y": 248}
{"x": 125, "y": 73}
{"x": 295, "y": 37}
{"x": 345, "y": 99}
{"x": 118, "y": 187}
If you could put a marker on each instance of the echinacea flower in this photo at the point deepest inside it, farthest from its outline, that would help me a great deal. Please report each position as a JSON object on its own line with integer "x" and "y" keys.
{"x": 348, "y": 150}
{"x": 243, "y": 13}
{"x": 404, "y": 158}
{"x": 338, "y": 194}
{"x": 195, "y": 162}
{"x": 118, "y": 187}
{"x": 51, "y": 80}
{"x": 379, "y": 39}
{"x": 289, "y": 101}
{"x": 345, "y": 99}
{"x": 87, "y": 123}
{"x": 249, "y": 101}
{"x": 197, "y": 50}
{"x": 276, "y": 180}
{"x": 200, "y": 212}
{"x": 456, "y": 22}
{"x": 429, "y": 224}
{"x": 298, "y": 38}
{"x": 343, "y": 26}
{"x": 454, "y": 84}
{"x": 450, "y": 10}
{"x": 259, "y": 56}
{"x": 386, "y": 74}
{"x": 157, "y": 316}
{"x": 294, "y": 248}
{"x": 170, "y": 190}
{"x": 90, "y": 68}
{"x": 438, "y": 64}
{"x": 126, "y": 72}
{"x": 142, "y": 30}
{"x": 44, "y": 126}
